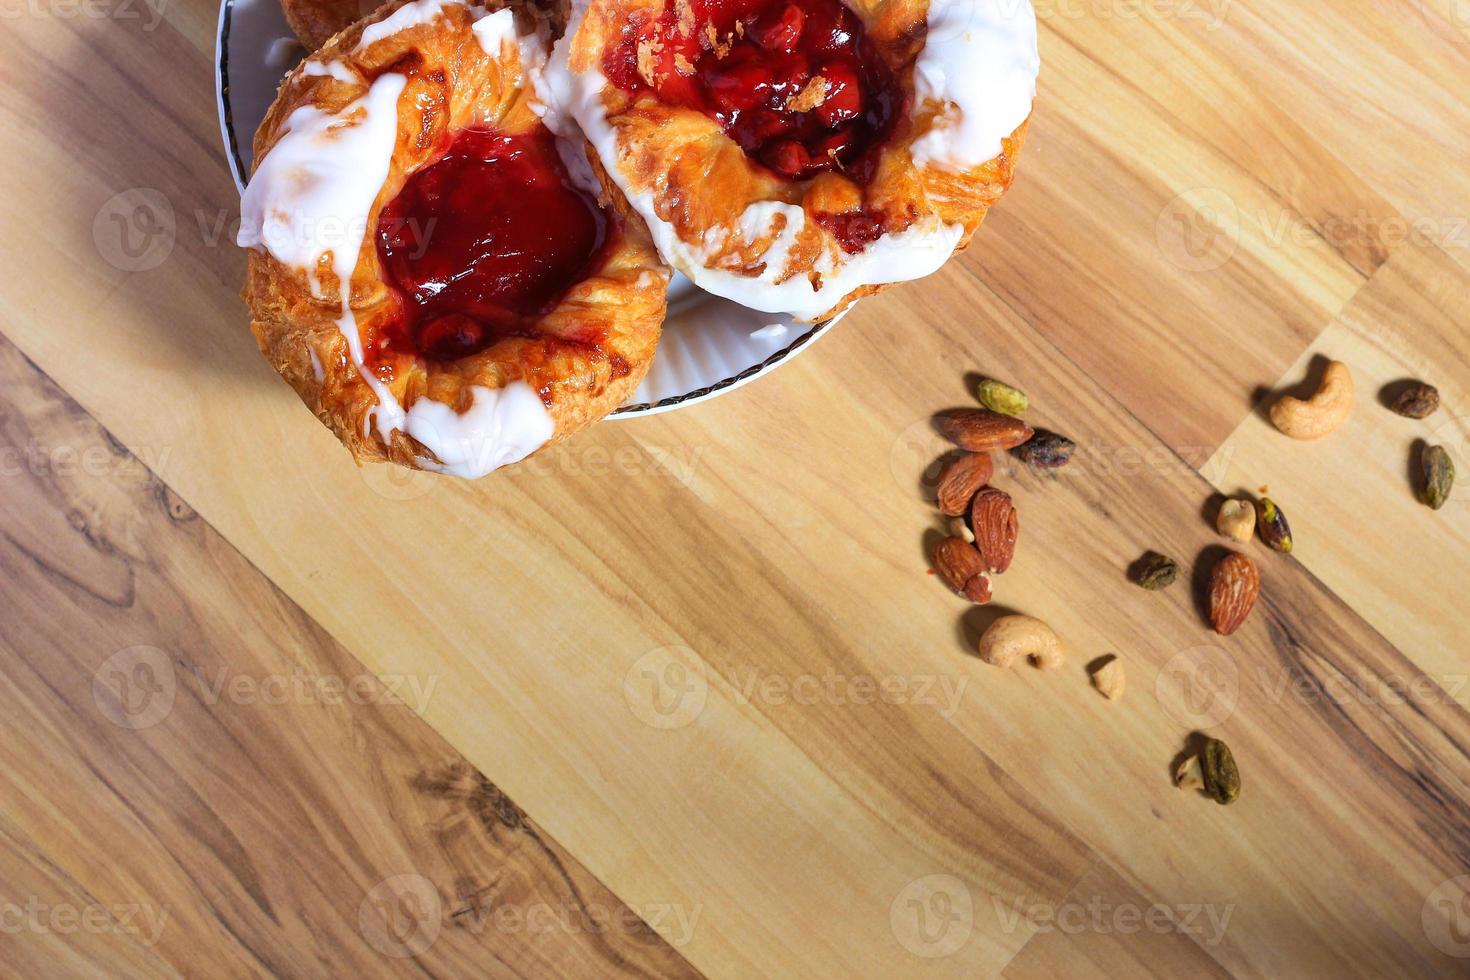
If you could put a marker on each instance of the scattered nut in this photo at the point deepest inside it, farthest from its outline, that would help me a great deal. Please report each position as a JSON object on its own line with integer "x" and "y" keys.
{"x": 1046, "y": 450}
{"x": 994, "y": 520}
{"x": 1321, "y": 414}
{"x": 1001, "y": 397}
{"x": 960, "y": 566}
{"x": 1189, "y": 774}
{"x": 959, "y": 480}
{"x": 1110, "y": 679}
{"x": 1439, "y": 476}
{"x": 1156, "y": 571}
{"x": 1275, "y": 532}
{"x": 1235, "y": 585}
{"x": 981, "y": 431}
{"x": 1417, "y": 401}
{"x": 1222, "y": 778}
{"x": 1010, "y": 637}
{"x": 1237, "y": 519}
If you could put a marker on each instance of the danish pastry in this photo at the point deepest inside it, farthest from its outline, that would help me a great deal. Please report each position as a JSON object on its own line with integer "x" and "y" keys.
{"x": 431, "y": 269}
{"x": 792, "y": 155}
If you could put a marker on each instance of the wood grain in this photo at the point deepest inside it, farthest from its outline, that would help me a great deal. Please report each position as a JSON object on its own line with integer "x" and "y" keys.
{"x": 199, "y": 780}
{"x": 702, "y": 648}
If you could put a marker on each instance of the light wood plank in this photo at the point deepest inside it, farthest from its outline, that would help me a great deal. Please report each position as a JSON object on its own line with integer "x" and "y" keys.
{"x": 194, "y": 766}
{"x": 1351, "y": 499}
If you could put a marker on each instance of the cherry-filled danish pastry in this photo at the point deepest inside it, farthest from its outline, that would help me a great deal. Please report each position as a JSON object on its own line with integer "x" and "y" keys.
{"x": 444, "y": 282}
{"x": 793, "y": 155}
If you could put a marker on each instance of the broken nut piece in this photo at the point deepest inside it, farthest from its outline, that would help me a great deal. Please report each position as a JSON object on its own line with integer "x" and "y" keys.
{"x": 1237, "y": 520}
{"x": 1110, "y": 679}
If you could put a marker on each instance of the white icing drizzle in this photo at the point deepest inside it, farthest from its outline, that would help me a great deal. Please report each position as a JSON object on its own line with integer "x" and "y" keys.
{"x": 331, "y": 69}
{"x": 501, "y": 426}
{"x": 962, "y": 32}
{"x": 406, "y": 16}
{"x": 980, "y": 58}
{"x": 312, "y": 196}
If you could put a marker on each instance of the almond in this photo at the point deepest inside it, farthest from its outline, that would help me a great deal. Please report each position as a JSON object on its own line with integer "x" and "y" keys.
{"x": 981, "y": 431}
{"x": 1235, "y": 585}
{"x": 993, "y": 519}
{"x": 959, "y": 480}
{"x": 960, "y": 565}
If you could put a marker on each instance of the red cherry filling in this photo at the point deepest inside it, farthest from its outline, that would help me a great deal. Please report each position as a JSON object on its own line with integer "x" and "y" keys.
{"x": 795, "y": 82}
{"x": 482, "y": 243}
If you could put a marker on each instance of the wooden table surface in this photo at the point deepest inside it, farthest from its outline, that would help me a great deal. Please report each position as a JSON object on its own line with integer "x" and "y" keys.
{"x": 679, "y": 697}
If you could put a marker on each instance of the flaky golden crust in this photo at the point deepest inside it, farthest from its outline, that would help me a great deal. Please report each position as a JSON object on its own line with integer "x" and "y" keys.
{"x": 700, "y": 181}
{"x": 591, "y": 350}
{"x": 315, "y": 21}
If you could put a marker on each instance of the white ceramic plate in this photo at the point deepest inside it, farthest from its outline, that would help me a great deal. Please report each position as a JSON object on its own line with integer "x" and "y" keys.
{"x": 709, "y": 346}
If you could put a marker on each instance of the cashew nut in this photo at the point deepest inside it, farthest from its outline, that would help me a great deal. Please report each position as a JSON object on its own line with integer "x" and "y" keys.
{"x": 1321, "y": 414}
{"x": 1010, "y": 637}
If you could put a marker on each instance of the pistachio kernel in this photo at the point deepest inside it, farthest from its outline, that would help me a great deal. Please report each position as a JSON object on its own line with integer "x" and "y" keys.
{"x": 1439, "y": 476}
{"x": 1275, "y": 531}
{"x": 1001, "y": 397}
{"x": 1222, "y": 778}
